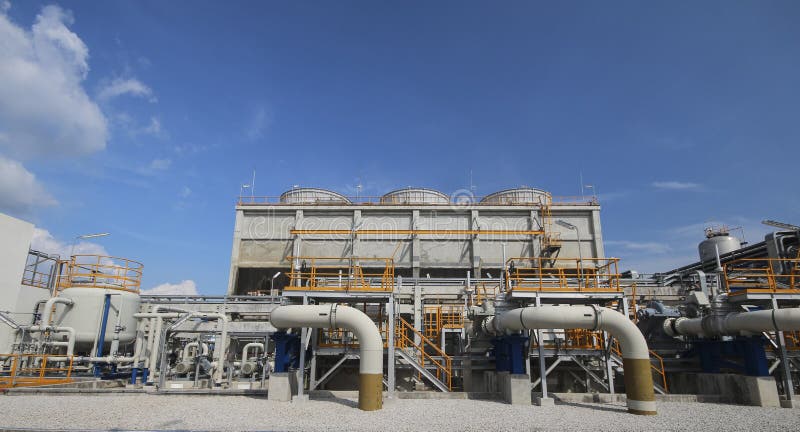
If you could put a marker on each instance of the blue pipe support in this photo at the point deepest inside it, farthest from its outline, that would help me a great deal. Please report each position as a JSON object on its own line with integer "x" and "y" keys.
{"x": 287, "y": 351}
{"x": 509, "y": 353}
{"x": 102, "y": 336}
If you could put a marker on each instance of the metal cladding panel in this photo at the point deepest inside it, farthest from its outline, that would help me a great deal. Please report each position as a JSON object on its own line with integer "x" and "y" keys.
{"x": 444, "y": 220}
{"x": 445, "y": 253}
{"x": 264, "y": 253}
{"x": 491, "y": 251}
{"x": 325, "y": 248}
{"x": 272, "y": 226}
{"x": 385, "y": 221}
{"x": 399, "y": 250}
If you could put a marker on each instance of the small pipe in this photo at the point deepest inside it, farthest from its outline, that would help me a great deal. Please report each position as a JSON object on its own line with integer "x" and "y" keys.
{"x": 70, "y": 336}
{"x": 247, "y": 347}
{"x": 48, "y": 309}
{"x": 185, "y": 355}
{"x": 370, "y": 387}
{"x": 635, "y": 354}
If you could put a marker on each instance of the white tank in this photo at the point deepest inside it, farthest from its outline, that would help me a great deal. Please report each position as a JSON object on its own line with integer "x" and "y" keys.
{"x": 717, "y": 240}
{"x": 313, "y": 196}
{"x": 86, "y": 314}
{"x": 520, "y": 195}
{"x": 415, "y": 196}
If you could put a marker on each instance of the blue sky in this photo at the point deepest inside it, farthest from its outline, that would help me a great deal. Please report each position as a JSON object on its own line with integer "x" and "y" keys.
{"x": 144, "y": 118}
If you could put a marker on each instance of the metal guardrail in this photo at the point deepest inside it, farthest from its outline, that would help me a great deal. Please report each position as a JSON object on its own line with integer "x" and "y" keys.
{"x": 29, "y": 370}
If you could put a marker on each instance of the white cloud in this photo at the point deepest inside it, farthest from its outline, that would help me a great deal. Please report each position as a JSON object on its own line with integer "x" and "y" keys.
{"x": 185, "y": 192}
{"x": 44, "y": 110}
{"x": 160, "y": 164}
{"x": 19, "y": 190}
{"x": 184, "y": 287}
{"x": 45, "y": 242}
{"x": 127, "y": 86}
{"x": 154, "y": 128}
{"x": 259, "y": 122}
{"x": 675, "y": 185}
{"x": 644, "y": 247}
{"x": 5, "y": 5}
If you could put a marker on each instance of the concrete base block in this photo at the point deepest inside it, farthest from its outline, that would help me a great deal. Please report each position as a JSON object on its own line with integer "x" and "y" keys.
{"x": 490, "y": 381}
{"x": 516, "y": 389}
{"x": 739, "y": 389}
{"x": 502, "y": 382}
{"x": 789, "y": 404}
{"x": 282, "y": 386}
{"x": 300, "y": 399}
{"x": 540, "y": 401}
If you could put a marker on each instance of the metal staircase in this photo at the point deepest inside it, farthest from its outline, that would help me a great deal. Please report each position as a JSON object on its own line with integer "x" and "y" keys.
{"x": 426, "y": 357}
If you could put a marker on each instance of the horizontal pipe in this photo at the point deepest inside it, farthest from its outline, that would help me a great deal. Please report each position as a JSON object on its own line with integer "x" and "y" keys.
{"x": 370, "y": 388}
{"x": 734, "y": 323}
{"x": 635, "y": 354}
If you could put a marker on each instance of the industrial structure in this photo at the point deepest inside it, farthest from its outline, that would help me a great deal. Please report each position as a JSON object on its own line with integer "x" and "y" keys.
{"x": 509, "y": 295}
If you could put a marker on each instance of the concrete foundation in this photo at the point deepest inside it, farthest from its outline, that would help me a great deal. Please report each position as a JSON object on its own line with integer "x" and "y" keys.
{"x": 540, "y": 401}
{"x": 282, "y": 386}
{"x": 730, "y": 388}
{"x": 516, "y": 389}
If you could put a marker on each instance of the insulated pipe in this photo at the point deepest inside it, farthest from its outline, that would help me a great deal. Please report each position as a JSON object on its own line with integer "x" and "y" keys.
{"x": 48, "y": 309}
{"x": 370, "y": 386}
{"x": 734, "y": 323}
{"x": 219, "y": 350}
{"x": 635, "y": 354}
{"x": 185, "y": 355}
{"x": 247, "y": 348}
{"x": 70, "y": 344}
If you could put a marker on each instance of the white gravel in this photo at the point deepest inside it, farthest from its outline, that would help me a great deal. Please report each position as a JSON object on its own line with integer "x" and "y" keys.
{"x": 237, "y": 413}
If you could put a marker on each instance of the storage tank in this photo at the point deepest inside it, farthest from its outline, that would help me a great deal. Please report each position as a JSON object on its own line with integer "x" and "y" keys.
{"x": 520, "y": 195}
{"x": 86, "y": 314}
{"x": 86, "y": 281}
{"x": 313, "y": 196}
{"x": 415, "y": 196}
{"x": 717, "y": 239}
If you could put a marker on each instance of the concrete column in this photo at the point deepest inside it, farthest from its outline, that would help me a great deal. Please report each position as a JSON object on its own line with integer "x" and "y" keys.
{"x": 237, "y": 240}
{"x": 354, "y": 240}
{"x": 297, "y": 241}
{"x": 597, "y": 235}
{"x": 415, "y": 245}
{"x": 475, "y": 243}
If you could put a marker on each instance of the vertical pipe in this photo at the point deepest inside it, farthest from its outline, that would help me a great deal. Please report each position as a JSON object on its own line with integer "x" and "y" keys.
{"x": 102, "y": 335}
{"x": 390, "y": 345}
{"x": 542, "y": 362}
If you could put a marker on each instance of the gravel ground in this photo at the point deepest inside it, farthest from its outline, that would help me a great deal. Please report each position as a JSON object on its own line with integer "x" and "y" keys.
{"x": 238, "y": 413}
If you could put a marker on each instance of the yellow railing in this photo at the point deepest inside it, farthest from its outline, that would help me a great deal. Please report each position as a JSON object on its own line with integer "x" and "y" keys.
{"x": 582, "y": 339}
{"x": 405, "y": 334}
{"x": 28, "y": 370}
{"x": 342, "y": 274}
{"x": 758, "y": 275}
{"x": 404, "y": 337}
{"x": 97, "y": 271}
{"x": 563, "y": 274}
{"x": 439, "y": 317}
{"x": 656, "y": 363}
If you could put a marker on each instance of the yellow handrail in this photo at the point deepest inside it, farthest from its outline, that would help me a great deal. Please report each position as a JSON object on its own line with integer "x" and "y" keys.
{"x": 404, "y": 341}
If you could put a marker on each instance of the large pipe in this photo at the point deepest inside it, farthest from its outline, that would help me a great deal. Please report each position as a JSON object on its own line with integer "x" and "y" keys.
{"x": 734, "y": 323}
{"x": 370, "y": 386}
{"x": 635, "y": 354}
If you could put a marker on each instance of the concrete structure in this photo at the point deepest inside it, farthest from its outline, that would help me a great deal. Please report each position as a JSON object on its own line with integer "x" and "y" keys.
{"x": 425, "y": 234}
